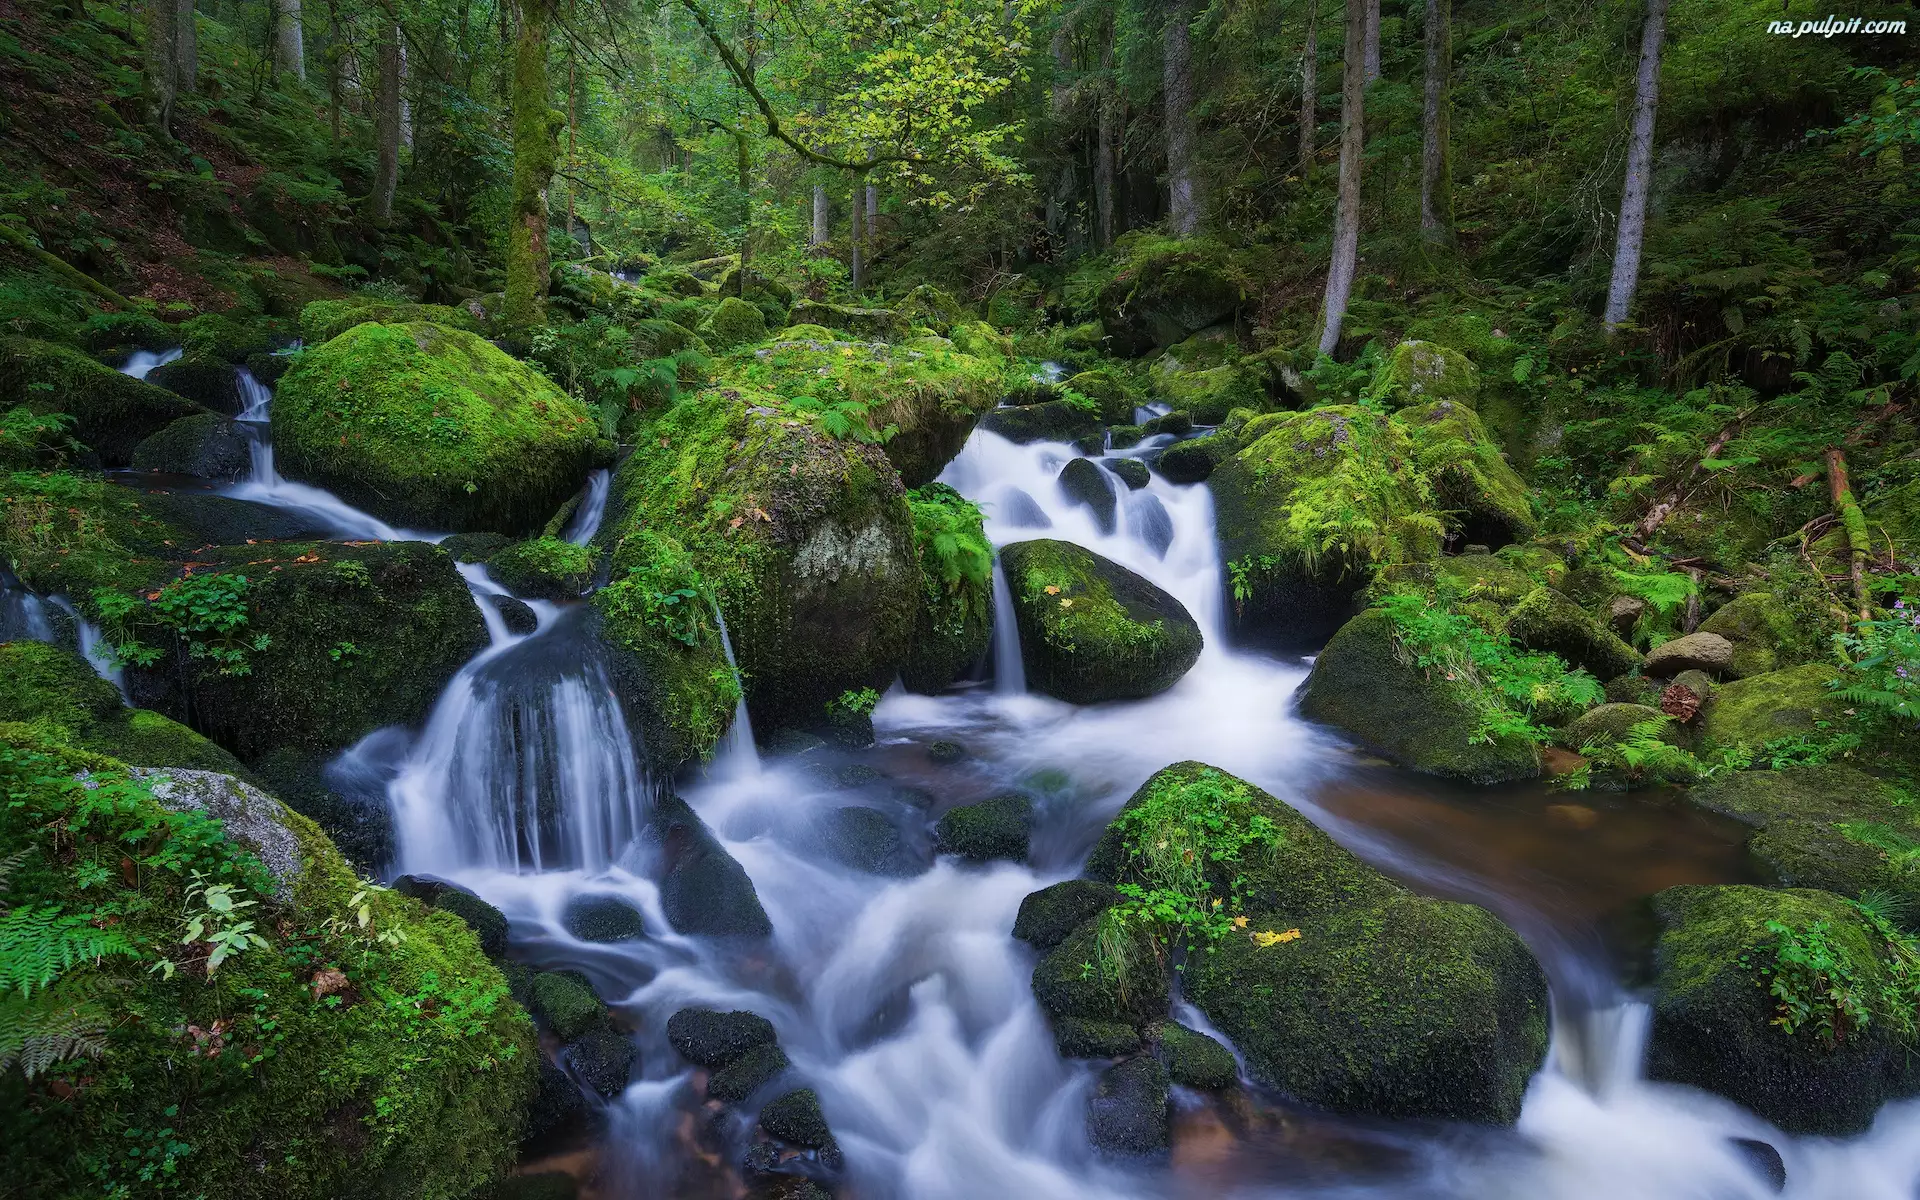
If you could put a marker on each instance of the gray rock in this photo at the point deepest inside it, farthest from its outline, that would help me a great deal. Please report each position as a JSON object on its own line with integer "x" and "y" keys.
{"x": 1131, "y": 471}
{"x": 1707, "y": 652}
{"x": 603, "y": 919}
{"x": 1623, "y": 612}
{"x": 1127, "y": 1114}
{"x": 251, "y": 817}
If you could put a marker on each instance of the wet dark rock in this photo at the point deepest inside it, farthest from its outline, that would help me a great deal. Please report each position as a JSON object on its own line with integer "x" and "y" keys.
{"x": 1764, "y": 1159}
{"x": 112, "y": 412}
{"x": 474, "y": 547}
{"x": 204, "y": 444}
{"x": 517, "y": 613}
{"x": 1018, "y": 510}
{"x": 558, "y": 1106}
{"x": 1124, "y": 437}
{"x": 796, "y": 1119}
{"x": 843, "y": 776}
{"x": 222, "y": 521}
{"x": 946, "y": 752}
{"x": 1066, "y": 988}
{"x": 1082, "y": 1037}
{"x": 991, "y": 829}
{"x": 566, "y": 1004}
{"x": 1091, "y": 630}
{"x": 206, "y": 380}
{"x": 1192, "y": 461}
{"x": 603, "y": 919}
{"x": 360, "y": 824}
{"x": 1054, "y": 421}
{"x": 1548, "y": 621}
{"x": 716, "y": 1039}
{"x": 703, "y": 892}
{"x": 1131, "y": 471}
{"x": 1050, "y": 914}
{"x": 486, "y": 921}
{"x": 1149, "y": 521}
{"x": 603, "y": 1060}
{"x": 866, "y": 840}
{"x": 1086, "y": 485}
{"x": 1127, "y": 1113}
{"x": 1192, "y": 1058}
{"x": 787, "y": 1187}
{"x": 1179, "y": 423}
{"x": 736, "y": 1082}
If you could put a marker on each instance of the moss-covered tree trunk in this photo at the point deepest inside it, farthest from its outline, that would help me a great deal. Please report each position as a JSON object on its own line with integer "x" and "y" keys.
{"x": 1346, "y": 217}
{"x": 1436, "y": 172}
{"x": 1183, "y": 207}
{"x": 857, "y": 236}
{"x": 289, "y": 46}
{"x": 386, "y": 123}
{"x": 1310, "y": 87}
{"x": 1633, "y": 201}
{"x": 159, "y": 64}
{"x": 536, "y": 147}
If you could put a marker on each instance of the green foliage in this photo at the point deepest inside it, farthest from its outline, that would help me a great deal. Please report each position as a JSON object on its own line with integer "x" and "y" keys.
{"x": 28, "y": 437}
{"x": 1815, "y": 984}
{"x": 948, "y": 536}
{"x": 855, "y": 703}
{"x": 664, "y": 591}
{"x": 207, "y": 613}
{"x": 1882, "y": 677}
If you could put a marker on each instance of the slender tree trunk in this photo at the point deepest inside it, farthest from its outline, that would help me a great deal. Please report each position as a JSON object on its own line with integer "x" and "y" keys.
{"x": 1183, "y": 210}
{"x": 406, "y": 105}
{"x": 161, "y": 74}
{"x": 186, "y": 49}
{"x": 1105, "y": 137}
{"x": 535, "y": 148}
{"x": 857, "y": 268}
{"x": 873, "y": 206}
{"x": 1436, "y": 160}
{"x": 1633, "y": 202}
{"x": 822, "y": 216}
{"x": 386, "y": 122}
{"x": 1310, "y": 87}
{"x": 289, "y": 46}
{"x": 1346, "y": 220}
{"x": 1373, "y": 41}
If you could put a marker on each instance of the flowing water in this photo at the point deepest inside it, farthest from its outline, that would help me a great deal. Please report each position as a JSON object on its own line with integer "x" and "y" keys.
{"x": 141, "y": 362}
{"x": 903, "y": 1000}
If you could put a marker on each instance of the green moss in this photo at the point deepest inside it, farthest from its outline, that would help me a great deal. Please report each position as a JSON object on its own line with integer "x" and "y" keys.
{"x": 1211, "y": 394}
{"x": 1193, "y": 1059}
{"x": 1756, "y": 710}
{"x": 267, "y": 1076}
{"x": 953, "y": 626}
{"x": 72, "y": 533}
{"x": 1152, "y": 291}
{"x": 1109, "y": 391}
{"x": 112, "y": 413}
{"x": 1548, "y": 621}
{"x": 1713, "y": 1022}
{"x": 1362, "y": 683}
{"x": 1091, "y": 630}
{"x": 1488, "y": 502}
{"x": 543, "y": 568}
{"x": 1312, "y": 505}
{"x": 57, "y": 693}
{"x": 933, "y": 307}
{"x": 734, "y": 322}
{"x": 1758, "y": 626}
{"x": 324, "y": 320}
{"x": 991, "y": 829}
{"x": 1611, "y": 722}
{"x": 1421, "y": 373}
{"x": 566, "y": 1005}
{"x": 878, "y": 324}
{"x": 433, "y": 426}
{"x": 981, "y": 340}
{"x": 1047, "y": 916}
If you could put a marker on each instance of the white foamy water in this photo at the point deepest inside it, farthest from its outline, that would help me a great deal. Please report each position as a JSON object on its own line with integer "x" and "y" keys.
{"x": 141, "y": 362}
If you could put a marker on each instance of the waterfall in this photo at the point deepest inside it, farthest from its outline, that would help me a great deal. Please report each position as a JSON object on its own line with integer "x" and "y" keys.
{"x": 23, "y": 615}
{"x": 1009, "y": 672}
{"x": 585, "y": 521}
{"x": 265, "y": 485}
{"x": 143, "y": 361}
{"x": 94, "y": 647}
{"x": 736, "y": 756}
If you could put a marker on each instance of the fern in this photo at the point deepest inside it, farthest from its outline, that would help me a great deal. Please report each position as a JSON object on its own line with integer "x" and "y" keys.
{"x": 38, "y": 945}
{"x": 66, "y": 1021}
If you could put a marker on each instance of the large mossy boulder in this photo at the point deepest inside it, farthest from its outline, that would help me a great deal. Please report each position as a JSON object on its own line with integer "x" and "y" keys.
{"x": 930, "y": 396}
{"x": 1419, "y": 373}
{"x": 804, "y": 540}
{"x": 543, "y": 568}
{"x": 1419, "y": 718}
{"x": 1051, "y": 421}
{"x": 1469, "y": 476}
{"x": 333, "y": 641}
{"x": 1091, "y": 630}
{"x": 1109, "y": 390}
{"x": 1724, "y": 955}
{"x": 324, "y": 320}
{"x": 874, "y": 324}
{"x": 432, "y": 428}
{"x": 733, "y": 322}
{"x": 953, "y": 626}
{"x": 204, "y": 444}
{"x": 1829, "y": 827}
{"x": 207, "y": 381}
{"x": 1758, "y": 626}
{"x": 1307, "y": 509}
{"x": 1213, "y": 393}
{"x": 1546, "y": 620}
{"x": 1796, "y": 702}
{"x": 58, "y": 694}
{"x": 112, "y": 413}
{"x": 370, "y": 1088}
{"x": 1155, "y": 291}
{"x": 1341, "y": 988}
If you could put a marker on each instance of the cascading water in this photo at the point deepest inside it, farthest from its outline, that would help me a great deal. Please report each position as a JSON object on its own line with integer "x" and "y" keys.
{"x": 737, "y": 755}
{"x": 585, "y": 521}
{"x": 143, "y": 361}
{"x": 1009, "y": 672}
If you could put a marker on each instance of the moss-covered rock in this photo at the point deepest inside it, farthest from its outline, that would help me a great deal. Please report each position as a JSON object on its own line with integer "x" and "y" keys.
{"x": 866, "y": 839}
{"x": 1081, "y": 1037}
{"x": 1610, "y": 723}
{"x": 796, "y": 1119}
{"x": 1828, "y": 827}
{"x": 566, "y": 1004}
{"x": 1192, "y": 1058}
{"x": 1091, "y": 630}
{"x": 402, "y": 1071}
{"x": 737, "y": 1082}
{"x": 112, "y": 413}
{"x": 204, "y": 444}
{"x": 1053, "y": 421}
{"x": 733, "y": 322}
{"x": 1420, "y": 719}
{"x": 1546, "y": 620}
{"x": 1047, "y": 916}
{"x": 1384, "y": 1002}
{"x": 543, "y": 568}
{"x": 953, "y": 626}
{"x": 981, "y": 340}
{"x": 1130, "y": 471}
{"x": 804, "y": 540}
{"x": 1759, "y": 628}
{"x": 1310, "y": 506}
{"x": 57, "y": 693}
{"x": 1109, "y": 391}
{"x": 324, "y": 320}
{"x": 1778, "y": 704}
{"x": 991, "y": 829}
{"x": 603, "y": 1060}
{"x": 337, "y": 640}
{"x": 1213, "y": 393}
{"x": 874, "y": 324}
{"x": 1697, "y": 651}
{"x": 206, "y": 381}
{"x": 1127, "y": 1113}
{"x": 1469, "y": 476}
{"x": 434, "y": 427}
{"x": 712, "y": 1039}
{"x": 603, "y": 919}
{"x": 1419, "y": 373}
{"x": 1194, "y": 460}
{"x": 703, "y": 891}
{"x": 1066, "y": 988}
{"x": 933, "y": 307}
{"x": 1086, "y": 484}
{"x": 1154, "y": 291}
{"x": 1715, "y": 1019}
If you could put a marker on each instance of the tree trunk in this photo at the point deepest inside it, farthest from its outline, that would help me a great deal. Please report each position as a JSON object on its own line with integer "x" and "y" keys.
{"x": 386, "y": 122}
{"x": 1633, "y": 202}
{"x": 535, "y": 149}
{"x": 1373, "y": 41}
{"x": 1183, "y": 211}
{"x": 1854, "y": 524}
{"x": 186, "y": 48}
{"x": 873, "y": 206}
{"x": 289, "y": 47}
{"x": 160, "y": 69}
{"x": 1436, "y": 166}
{"x": 822, "y": 216}
{"x": 1310, "y": 87}
{"x": 857, "y": 267}
{"x": 406, "y": 105}
{"x": 1346, "y": 219}
{"x": 1105, "y": 137}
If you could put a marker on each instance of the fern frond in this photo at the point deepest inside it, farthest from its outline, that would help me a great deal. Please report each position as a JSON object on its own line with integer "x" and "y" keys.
{"x": 65, "y": 1021}
{"x": 38, "y": 945}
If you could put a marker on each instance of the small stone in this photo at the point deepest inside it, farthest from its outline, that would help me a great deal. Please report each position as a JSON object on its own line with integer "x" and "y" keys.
{"x": 1050, "y": 914}
{"x": 996, "y": 828}
{"x": 1707, "y": 652}
{"x": 717, "y": 1039}
{"x": 796, "y": 1119}
{"x": 1193, "y": 1059}
{"x": 603, "y": 1060}
{"x": 603, "y": 919}
{"x": 1764, "y": 1159}
{"x": 946, "y": 752}
{"x": 1082, "y": 1037}
{"x": 566, "y": 1004}
{"x": 1086, "y": 484}
{"x": 1623, "y": 613}
{"x": 753, "y": 1071}
{"x": 1131, "y": 471}
{"x": 517, "y": 613}
{"x": 1127, "y": 1113}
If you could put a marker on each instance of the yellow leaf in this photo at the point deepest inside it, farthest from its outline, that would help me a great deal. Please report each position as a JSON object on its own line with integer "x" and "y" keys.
{"x": 1239, "y": 922}
{"x": 1053, "y": 589}
{"x": 1267, "y": 937}
{"x": 1066, "y": 604}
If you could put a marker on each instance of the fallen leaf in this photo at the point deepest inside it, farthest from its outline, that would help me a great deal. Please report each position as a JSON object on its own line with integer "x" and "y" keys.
{"x": 328, "y": 981}
{"x": 1267, "y": 937}
{"x": 1239, "y": 922}
{"x": 1053, "y": 589}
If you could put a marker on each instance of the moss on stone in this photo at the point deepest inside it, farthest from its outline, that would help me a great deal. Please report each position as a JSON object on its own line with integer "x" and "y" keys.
{"x": 112, "y": 413}
{"x": 1213, "y": 393}
{"x": 60, "y": 695}
{"x": 1419, "y": 373}
{"x": 1759, "y": 628}
{"x": 543, "y": 568}
{"x": 1311, "y": 506}
{"x": 565, "y": 1004}
{"x": 1053, "y": 421}
{"x": 1047, "y": 916}
{"x": 1713, "y": 1016}
{"x": 1091, "y": 630}
{"x": 1362, "y": 683}
{"x": 324, "y": 320}
{"x": 880, "y": 324}
{"x": 204, "y": 444}
{"x": 933, "y": 307}
{"x": 1153, "y": 291}
{"x": 732, "y": 323}
{"x": 736, "y": 1082}
{"x": 203, "y": 380}
{"x": 433, "y": 427}
{"x": 1068, "y": 981}
{"x": 992, "y": 829}
{"x": 1548, "y": 621}
{"x": 953, "y": 626}
{"x": 1610, "y": 723}
{"x": 1109, "y": 390}
{"x": 1081, "y": 1037}
{"x": 1192, "y": 1058}
{"x": 1778, "y": 704}
{"x": 981, "y": 340}
{"x": 1469, "y": 476}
